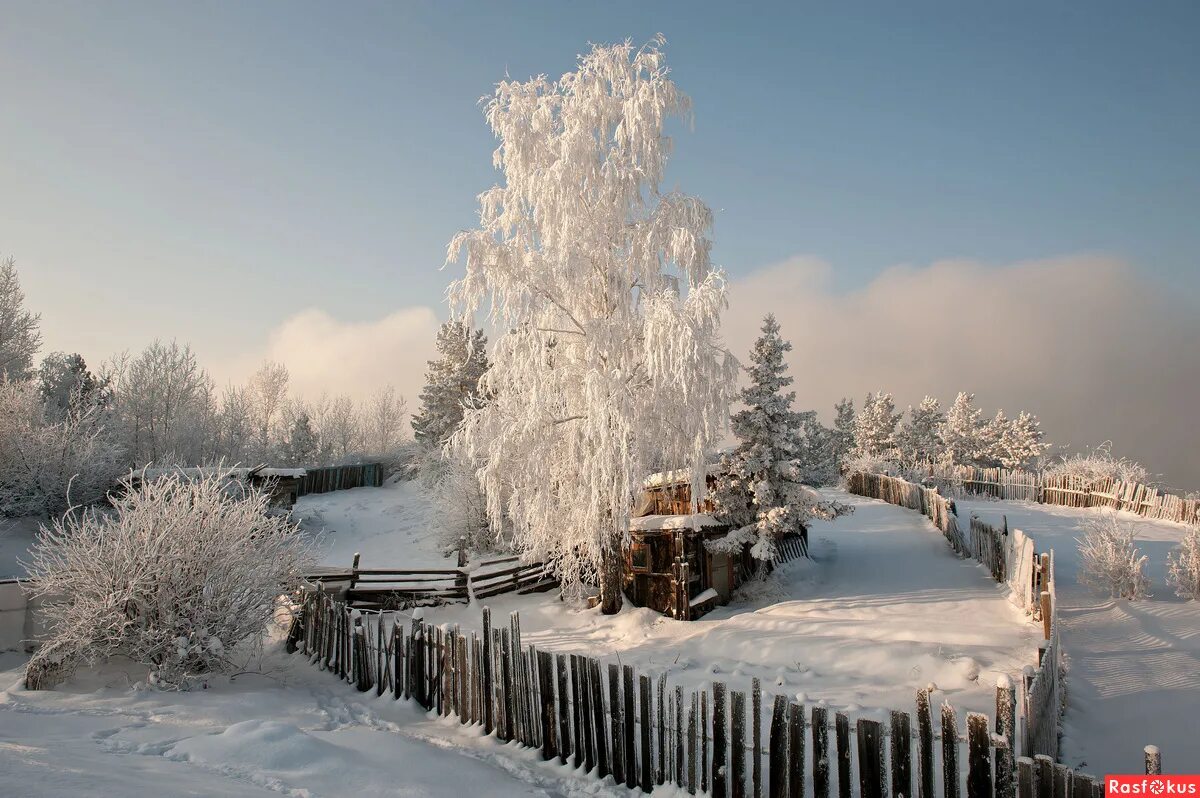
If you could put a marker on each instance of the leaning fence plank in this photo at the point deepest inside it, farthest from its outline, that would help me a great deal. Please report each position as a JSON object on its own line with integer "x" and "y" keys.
{"x": 820, "y": 738}
{"x": 564, "y": 708}
{"x": 661, "y": 718}
{"x": 901, "y": 755}
{"x": 777, "y": 772}
{"x": 1006, "y": 728}
{"x": 949, "y": 752}
{"x": 842, "y": 732}
{"x": 719, "y": 781}
{"x": 979, "y": 756}
{"x": 756, "y": 734}
{"x": 691, "y": 747}
{"x": 704, "y": 729}
{"x": 631, "y": 769}
{"x": 924, "y": 745}
{"x": 488, "y": 676}
{"x": 678, "y": 735}
{"x": 870, "y": 759}
{"x": 602, "y": 760}
{"x": 577, "y": 712}
{"x": 737, "y": 742}
{"x": 616, "y": 716}
{"x": 546, "y": 693}
{"x": 647, "y": 779}
{"x": 796, "y": 751}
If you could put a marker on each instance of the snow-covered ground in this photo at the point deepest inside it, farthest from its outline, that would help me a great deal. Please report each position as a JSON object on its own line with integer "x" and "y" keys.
{"x": 1134, "y": 675}
{"x": 883, "y": 610}
{"x": 16, "y": 536}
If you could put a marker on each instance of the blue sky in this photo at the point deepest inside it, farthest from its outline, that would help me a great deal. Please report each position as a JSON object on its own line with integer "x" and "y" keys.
{"x": 206, "y": 171}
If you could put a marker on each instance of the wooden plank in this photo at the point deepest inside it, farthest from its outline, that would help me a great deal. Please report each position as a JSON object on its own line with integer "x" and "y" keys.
{"x": 506, "y": 681}
{"x": 796, "y": 751}
{"x": 777, "y": 772}
{"x": 1025, "y": 783}
{"x": 631, "y": 769}
{"x": 870, "y": 759}
{"x": 924, "y": 746}
{"x": 589, "y": 732}
{"x": 901, "y": 755}
{"x": 756, "y": 734}
{"x": 950, "y": 787}
{"x": 602, "y": 760}
{"x": 737, "y": 743}
{"x": 616, "y": 716}
{"x": 488, "y": 676}
{"x": 1081, "y": 786}
{"x": 719, "y": 782}
{"x": 842, "y": 732}
{"x": 661, "y": 718}
{"x": 704, "y": 727}
{"x": 647, "y": 779}
{"x": 565, "y": 746}
{"x": 691, "y": 748}
{"x": 1006, "y": 728}
{"x": 1062, "y": 781}
{"x": 820, "y": 738}
{"x": 979, "y": 756}
{"x": 678, "y": 735}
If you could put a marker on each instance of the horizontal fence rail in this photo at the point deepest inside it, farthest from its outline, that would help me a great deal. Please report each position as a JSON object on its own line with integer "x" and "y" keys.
{"x": 613, "y": 721}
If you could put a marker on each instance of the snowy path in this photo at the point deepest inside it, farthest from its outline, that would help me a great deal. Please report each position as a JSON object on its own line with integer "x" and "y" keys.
{"x": 885, "y": 609}
{"x": 1134, "y": 672}
{"x": 308, "y": 736}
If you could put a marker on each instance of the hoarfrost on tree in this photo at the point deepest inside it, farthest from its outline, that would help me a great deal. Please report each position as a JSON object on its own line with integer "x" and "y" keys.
{"x": 611, "y": 360}
{"x": 1108, "y": 560}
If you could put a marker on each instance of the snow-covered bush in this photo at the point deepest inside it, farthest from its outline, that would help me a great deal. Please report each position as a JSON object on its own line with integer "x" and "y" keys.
{"x": 1108, "y": 560}
{"x": 1183, "y": 566}
{"x": 458, "y": 504}
{"x": 180, "y": 576}
{"x": 1099, "y": 464}
{"x": 47, "y": 465}
{"x": 870, "y": 464}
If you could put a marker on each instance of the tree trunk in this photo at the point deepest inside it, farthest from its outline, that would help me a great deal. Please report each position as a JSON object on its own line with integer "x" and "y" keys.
{"x": 611, "y": 574}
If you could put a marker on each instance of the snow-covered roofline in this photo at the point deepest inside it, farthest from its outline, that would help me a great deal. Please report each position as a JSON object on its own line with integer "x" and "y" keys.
{"x": 678, "y": 476}
{"x": 650, "y": 523}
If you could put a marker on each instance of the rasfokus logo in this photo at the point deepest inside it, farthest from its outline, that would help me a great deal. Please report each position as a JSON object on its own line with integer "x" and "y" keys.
{"x": 1151, "y": 785}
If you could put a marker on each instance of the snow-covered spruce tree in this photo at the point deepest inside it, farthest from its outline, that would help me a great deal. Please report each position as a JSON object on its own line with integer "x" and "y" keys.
{"x": 1022, "y": 444}
{"x": 451, "y": 382}
{"x": 962, "y": 433}
{"x": 816, "y": 459}
{"x": 179, "y": 576}
{"x": 920, "y": 439}
{"x": 612, "y": 357}
{"x": 48, "y": 464}
{"x": 875, "y": 426}
{"x": 1183, "y": 566}
{"x": 993, "y": 441}
{"x": 1108, "y": 560}
{"x": 20, "y": 338}
{"x": 760, "y": 492}
{"x": 300, "y": 448}
{"x": 842, "y": 438}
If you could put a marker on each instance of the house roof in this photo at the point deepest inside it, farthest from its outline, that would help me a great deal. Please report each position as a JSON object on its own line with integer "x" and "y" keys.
{"x": 649, "y": 523}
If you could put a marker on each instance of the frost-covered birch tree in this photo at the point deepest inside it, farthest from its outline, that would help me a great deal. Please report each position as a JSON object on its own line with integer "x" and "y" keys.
{"x": 760, "y": 492}
{"x": 612, "y": 358}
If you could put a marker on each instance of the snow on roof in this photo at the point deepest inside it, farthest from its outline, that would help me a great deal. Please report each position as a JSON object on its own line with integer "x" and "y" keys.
{"x": 655, "y": 522}
{"x": 282, "y": 473}
{"x": 679, "y": 476}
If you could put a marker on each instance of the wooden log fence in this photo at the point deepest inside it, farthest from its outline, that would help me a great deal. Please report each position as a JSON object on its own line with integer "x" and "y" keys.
{"x": 563, "y": 707}
{"x": 344, "y": 477}
{"x": 1064, "y": 490}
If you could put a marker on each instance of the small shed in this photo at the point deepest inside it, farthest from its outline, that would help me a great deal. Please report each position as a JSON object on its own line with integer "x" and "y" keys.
{"x": 282, "y": 485}
{"x": 668, "y": 567}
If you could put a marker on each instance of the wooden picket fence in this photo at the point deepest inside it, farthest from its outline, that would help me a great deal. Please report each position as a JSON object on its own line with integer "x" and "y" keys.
{"x": 1011, "y": 558}
{"x": 791, "y": 547}
{"x": 643, "y": 733}
{"x": 343, "y": 477}
{"x": 1067, "y": 491}
{"x": 396, "y": 589}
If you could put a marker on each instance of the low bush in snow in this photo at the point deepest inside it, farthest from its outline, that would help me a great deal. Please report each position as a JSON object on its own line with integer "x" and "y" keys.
{"x": 1098, "y": 465}
{"x": 1183, "y": 566}
{"x": 1108, "y": 561}
{"x": 180, "y": 576}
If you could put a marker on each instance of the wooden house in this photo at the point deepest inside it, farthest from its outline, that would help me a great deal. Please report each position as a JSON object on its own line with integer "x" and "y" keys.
{"x": 667, "y": 566}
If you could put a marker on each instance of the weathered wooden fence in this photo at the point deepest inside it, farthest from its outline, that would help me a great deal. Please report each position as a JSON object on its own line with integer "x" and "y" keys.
{"x": 394, "y": 589}
{"x": 613, "y": 721}
{"x": 1011, "y": 558}
{"x": 1068, "y": 491}
{"x": 331, "y": 478}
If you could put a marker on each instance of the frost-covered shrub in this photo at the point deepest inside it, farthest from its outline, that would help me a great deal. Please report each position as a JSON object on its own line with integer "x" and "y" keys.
{"x": 1099, "y": 464}
{"x": 1108, "y": 561}
{"x": 1183, "y": 566}
{"x": 49, "y": 464}
{"x": 180, "y": 576}
{"x": 458, "y": 507}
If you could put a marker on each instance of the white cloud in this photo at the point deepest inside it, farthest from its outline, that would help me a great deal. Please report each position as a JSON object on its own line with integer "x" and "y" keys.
{"x": 350, "y": 357}
{"x": 1082, "y": 341}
